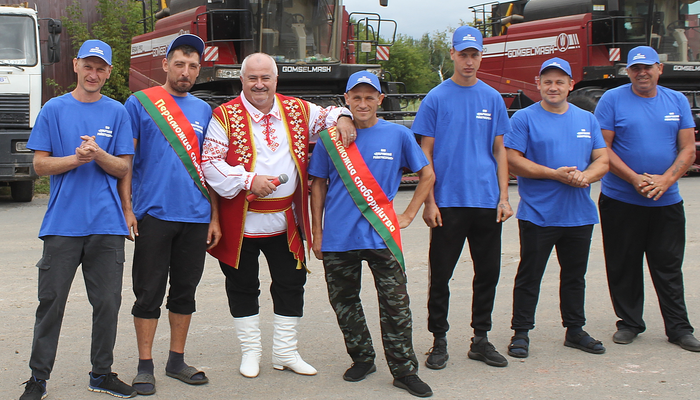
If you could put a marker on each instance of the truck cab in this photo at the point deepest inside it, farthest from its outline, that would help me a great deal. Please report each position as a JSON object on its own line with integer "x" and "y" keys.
{"x": 20, "y": 94}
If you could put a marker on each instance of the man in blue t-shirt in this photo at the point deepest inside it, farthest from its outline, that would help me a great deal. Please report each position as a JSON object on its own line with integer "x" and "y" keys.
{"x": 346, "y": 237}
{"x": 649, "y": 131}
{"x": 83, "y": 141}
{"x": 462, "y": 122}
{"x": 556, "y": 150}
{"x": 173, "y": 222}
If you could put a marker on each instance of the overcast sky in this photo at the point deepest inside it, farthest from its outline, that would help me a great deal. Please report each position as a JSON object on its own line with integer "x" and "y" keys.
{"x": 416, "y": 17}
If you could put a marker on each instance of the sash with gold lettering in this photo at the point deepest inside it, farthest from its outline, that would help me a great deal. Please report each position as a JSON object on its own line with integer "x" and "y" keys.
{"x": 236, "y": 121}
{"x": 177, "y": 129}
{"x": 365, "y": 191}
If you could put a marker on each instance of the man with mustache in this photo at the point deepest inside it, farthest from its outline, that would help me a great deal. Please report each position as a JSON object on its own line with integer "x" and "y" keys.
{"x": 173, "y": 221}
{"x": 251, "y": 140}
{"x": 83, "y": 141}
{"x": 649, "y": 131}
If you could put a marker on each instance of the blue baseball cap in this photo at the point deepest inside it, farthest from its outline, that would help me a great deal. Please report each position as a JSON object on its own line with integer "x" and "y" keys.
{"x": 96, "y": 48}
{"x": 466, "y": 37}
{"x": 557, "y": 62}
{"x": 363, "y": 77}
{"x": 189, "y": 40}
{"x": 642, "y": 55}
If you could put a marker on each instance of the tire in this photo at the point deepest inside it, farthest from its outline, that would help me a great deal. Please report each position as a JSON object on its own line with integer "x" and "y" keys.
{"x": 586, "y": 98}
{"x": 22, "y": 191}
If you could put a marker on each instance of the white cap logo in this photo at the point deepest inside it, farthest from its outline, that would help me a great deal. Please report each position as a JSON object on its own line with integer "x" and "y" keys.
{"x": 470, "y": 38}
{"x": 639, "y": 56}
{"x": 97, "y": 50}
{"x": 554, "y": 64}
{"x": 364, "y": 79}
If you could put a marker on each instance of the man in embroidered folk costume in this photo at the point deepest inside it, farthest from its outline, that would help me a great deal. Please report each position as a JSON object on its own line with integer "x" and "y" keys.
{"x": 557, "y": 151}
{"x": 172, "y": 218}
{"x": 650, "y": 133}
{"x": 462, "y": 121}
{"x": 355, "y": 186}
{"x": 250, "y": 141}
{"x": 83, "y": 141}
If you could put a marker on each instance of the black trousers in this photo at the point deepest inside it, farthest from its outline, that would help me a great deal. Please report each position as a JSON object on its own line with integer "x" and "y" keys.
{"x": 536, "y": 242}
{"x": 243, "y": 284}
{"x": 629, "y": 233}
{"x": 479, "y": 226}
{"x": 102, "y": 258}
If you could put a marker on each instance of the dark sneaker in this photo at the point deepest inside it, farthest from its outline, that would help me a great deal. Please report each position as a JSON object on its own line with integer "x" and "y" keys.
{"x": 624, "y": 336}
{"x": 413, "y": 385}
{"x": 482, "y": 350}
{"x": 110, "y": 384}
{"x": 688, "y": 342}
{"x": 437, "y": 358}
{"x": 35, "y": 389}
{"x": 359, "y": 371}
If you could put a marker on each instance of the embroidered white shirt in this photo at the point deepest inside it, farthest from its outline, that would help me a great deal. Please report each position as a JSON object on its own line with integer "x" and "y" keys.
{"x": 273, "y": 157}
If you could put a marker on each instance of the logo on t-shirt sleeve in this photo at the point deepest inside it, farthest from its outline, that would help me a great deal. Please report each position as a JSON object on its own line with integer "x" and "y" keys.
{"x": 672, "y": 117}
{"x": 583, "y": 134}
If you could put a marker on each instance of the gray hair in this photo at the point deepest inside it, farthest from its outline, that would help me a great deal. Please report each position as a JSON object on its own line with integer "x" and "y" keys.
{"x": 245, "y": 62}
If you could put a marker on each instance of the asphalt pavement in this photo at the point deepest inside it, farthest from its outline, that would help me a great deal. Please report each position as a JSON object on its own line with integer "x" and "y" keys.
{"x": 649, "y": 368}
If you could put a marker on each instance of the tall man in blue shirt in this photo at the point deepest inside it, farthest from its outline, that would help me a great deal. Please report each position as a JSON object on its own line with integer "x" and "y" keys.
{"x": 556, "y": 150}
{"x": 172, "y": 217}
{"x": 83, "y": 141}
{"x": 649, "y": 131}
{"x": 462, "y": 122}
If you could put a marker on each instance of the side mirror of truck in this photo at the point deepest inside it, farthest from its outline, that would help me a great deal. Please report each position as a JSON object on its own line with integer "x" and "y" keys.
{"x": 55, "y": 26}
{"x": 53, "y": 45}
{"x": 383, "y": 3}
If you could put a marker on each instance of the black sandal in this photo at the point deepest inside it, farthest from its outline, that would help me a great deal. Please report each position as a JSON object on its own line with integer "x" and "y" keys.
{"x": 519, "y": 346}
{"x": 584, "y": 341}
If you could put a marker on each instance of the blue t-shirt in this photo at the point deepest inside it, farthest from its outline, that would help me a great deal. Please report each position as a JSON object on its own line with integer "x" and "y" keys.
{"x": 161, "y": 185}
{"x": 646, "y": 138}
{"x": 387, "y": 148}
{"x": 555, "y": 140}
{"x": 464, "y": 120}
{"x": 84, "y": 201}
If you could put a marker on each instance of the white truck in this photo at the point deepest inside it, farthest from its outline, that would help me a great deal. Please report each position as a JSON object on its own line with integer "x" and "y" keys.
{"x": 20, "y": 92}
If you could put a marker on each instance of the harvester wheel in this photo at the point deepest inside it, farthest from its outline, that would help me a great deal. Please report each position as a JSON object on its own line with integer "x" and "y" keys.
{"x": 586, "y": 98}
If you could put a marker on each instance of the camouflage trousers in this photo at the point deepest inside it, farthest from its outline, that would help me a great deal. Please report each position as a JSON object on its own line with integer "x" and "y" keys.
{"x": 344, "y": 276}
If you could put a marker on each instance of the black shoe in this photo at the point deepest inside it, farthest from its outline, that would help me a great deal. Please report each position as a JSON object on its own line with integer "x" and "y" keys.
{"x": 438, "y": 354}
{"x": 110, "y": 384}
{"x": 482, "y": 350}
{"x": 688, "y": 342}
{"x": 624, "y": 336}
{"x": 413, "y": 385}
{"x": 35, "y": 389}
{"x": 359, "y": 371}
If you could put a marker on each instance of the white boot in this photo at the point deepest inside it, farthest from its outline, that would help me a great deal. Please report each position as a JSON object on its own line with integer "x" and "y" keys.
{"x": 248, "y": 332}
{"x": 284, "y": 346}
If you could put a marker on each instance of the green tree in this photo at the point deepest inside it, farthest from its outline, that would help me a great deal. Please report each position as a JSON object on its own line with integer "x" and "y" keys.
{"x": 118, "y": 23}
{"x": 409, "y": 63}
{"x": 437, "y": 45}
